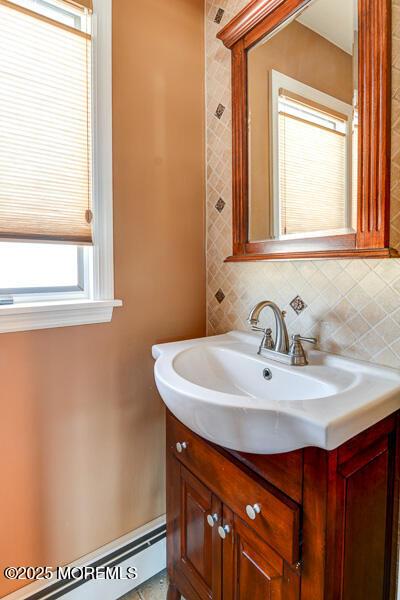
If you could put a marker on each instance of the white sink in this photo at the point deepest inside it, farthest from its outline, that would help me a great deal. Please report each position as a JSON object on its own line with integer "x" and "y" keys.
{"x": 217, "y": 387}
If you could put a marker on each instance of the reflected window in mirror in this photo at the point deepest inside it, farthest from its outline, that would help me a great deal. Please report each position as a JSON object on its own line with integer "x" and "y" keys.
{"x": 302, "y": 125}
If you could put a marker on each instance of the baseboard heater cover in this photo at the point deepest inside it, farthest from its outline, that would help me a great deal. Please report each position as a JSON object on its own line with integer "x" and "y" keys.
{"x": 149, "y": 551}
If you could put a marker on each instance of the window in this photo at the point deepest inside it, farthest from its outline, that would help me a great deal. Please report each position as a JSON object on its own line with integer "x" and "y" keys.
{"x": 55, "y": 199}
{"x": 34, "y": 268}
{"x": 312, "y": 150}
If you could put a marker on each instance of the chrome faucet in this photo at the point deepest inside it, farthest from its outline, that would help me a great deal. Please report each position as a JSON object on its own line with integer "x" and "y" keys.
{"x": 279, "y": 350}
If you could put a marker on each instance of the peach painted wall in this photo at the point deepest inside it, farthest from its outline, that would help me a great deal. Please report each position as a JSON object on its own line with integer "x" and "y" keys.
{"x": 81, "y": 429}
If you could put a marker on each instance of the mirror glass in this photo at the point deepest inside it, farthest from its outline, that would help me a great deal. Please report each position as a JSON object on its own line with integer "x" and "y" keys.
{"x": 302, "y": 125}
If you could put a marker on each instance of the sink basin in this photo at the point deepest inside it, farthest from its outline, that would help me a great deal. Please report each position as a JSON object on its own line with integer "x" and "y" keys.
{"x": 222, "y": 390}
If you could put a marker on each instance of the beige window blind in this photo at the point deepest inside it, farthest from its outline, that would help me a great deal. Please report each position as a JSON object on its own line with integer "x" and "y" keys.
{"x": 45, "y": 126}
{"x": 88, "y": 4}
{"x": 312, "y": 167}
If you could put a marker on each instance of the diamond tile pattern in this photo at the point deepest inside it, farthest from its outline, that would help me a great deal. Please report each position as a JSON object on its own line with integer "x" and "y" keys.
{"x": 298, "y": 305}
{"x": 353, "y": 306}
{"x": 220, "y": 111}
{"x": 220, "y": 296}
{"x": 220, "y": 205}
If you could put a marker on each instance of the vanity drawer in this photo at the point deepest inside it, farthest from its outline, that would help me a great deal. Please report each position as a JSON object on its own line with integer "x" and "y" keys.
{"x": 278, "y": 521}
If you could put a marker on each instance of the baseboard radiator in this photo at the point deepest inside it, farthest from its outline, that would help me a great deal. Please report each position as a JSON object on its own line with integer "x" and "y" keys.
{"x": 108, "y": 573}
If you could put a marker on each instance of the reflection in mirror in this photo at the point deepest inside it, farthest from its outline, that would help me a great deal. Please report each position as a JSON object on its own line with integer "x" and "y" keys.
{"x": 302, "y": 122}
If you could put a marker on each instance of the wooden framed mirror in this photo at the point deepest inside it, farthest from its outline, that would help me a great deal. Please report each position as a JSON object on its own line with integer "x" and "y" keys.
{"x": 311, "y": 118}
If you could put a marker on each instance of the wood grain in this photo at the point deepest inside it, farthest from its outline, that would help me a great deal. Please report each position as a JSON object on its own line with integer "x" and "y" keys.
{"x": 253, "y": 15}
{"x": 284, "y": 471}
{"x": 378, "y": 253}
{"x": 375, "y": 123}
{"x": 315, "y": 508}
{"x": 173, "y": 593}
{"x": 256, "y": 570}
{"x": 200, "y": 550}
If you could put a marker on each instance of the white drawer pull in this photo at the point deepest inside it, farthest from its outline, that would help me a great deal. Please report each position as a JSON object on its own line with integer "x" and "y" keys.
{"x": 223, "y": 531}
{"x": 252, "y": 511}
{"x": 180, "y": 447}
{"x": 212, "y": 519}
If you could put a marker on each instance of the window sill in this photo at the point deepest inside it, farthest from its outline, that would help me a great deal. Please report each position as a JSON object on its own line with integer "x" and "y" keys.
{"x": 46, "y": 315}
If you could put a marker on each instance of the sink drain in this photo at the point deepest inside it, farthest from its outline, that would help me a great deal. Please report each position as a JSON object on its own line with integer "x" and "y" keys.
{"x": 267, "y": 374}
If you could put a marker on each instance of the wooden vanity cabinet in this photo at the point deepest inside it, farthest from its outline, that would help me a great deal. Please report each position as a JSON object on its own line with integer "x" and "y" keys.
{"x": 199, "y": 550}
{"x": 251, "y": 568}
{"x": 327, "y": 527}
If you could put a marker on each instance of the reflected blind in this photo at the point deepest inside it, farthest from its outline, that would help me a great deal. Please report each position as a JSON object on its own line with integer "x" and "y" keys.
{"x": 45, "y": 126}
{"x": 312, "y": 169}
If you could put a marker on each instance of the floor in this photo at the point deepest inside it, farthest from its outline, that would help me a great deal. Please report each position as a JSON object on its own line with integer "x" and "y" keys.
{"x": 155, "y": 589}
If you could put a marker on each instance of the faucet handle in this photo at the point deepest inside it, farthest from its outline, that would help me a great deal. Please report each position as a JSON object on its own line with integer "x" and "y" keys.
{"x": 296, "y": 350}
{"x": 299, "y": 338}
{"x": 268, "y": 341}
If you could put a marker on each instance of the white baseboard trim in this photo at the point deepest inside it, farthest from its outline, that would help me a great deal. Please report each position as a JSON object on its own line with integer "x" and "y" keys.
{"x": 143, "y": 549}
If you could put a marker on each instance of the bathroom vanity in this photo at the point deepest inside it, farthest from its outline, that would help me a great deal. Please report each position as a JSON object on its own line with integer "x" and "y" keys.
{"x": 283, "y": 486}
{"x": 309, "y": 524}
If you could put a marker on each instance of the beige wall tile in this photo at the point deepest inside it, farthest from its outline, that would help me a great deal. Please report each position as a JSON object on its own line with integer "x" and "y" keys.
{"x": 351, "y": 304}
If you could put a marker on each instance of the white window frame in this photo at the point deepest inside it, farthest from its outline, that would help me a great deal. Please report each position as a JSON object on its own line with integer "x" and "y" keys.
{"x": 96, "y": 304}
{"x": 279, "y": 81}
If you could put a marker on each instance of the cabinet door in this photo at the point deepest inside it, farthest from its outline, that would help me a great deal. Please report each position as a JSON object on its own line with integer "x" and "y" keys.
{"x": 251, "y": 569}
{"x": 200, "y": 545}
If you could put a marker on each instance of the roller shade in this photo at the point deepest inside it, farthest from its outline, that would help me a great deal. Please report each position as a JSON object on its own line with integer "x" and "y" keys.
{"x": 312, "y": 167}
{"x": 45, "y": 125}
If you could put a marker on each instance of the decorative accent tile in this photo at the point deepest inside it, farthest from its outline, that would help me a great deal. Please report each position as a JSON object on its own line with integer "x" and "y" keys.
{"x": 353, "y": 306}
{"x": 220, "y": 111}
{"x": 220, "y": 296}
{"x": 298, "y": 305}
{"x": 220, "y": 205}
{"x": 219, "y": 15}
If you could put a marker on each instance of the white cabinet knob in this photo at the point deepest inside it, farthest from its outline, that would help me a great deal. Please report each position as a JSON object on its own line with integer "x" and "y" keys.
{"x": 180, "y": 447}
{"x": 223, "y": 531}
{"x": 212, "y": 519}
{"x": 253, "y": 510}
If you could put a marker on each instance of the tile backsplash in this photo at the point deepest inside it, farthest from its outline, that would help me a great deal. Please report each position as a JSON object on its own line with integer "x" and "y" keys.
{"x": 352, "y": 306}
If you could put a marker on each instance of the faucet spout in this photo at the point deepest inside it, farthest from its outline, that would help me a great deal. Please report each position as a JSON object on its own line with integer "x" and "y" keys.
{"x": 281, "y": 336}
